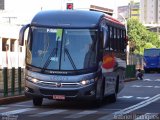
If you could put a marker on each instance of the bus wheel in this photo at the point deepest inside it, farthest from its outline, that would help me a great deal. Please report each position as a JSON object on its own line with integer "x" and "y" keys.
{"x": 113, "y": 97}
{"x": 99, "y": 101}
{"x": 37, "y": 101}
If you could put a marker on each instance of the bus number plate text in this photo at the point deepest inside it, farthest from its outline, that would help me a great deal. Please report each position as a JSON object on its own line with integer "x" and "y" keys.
{"x": 58, "y": 97}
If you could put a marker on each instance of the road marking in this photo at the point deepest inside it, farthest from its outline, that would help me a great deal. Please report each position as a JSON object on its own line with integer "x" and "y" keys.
{"x": 17, "y": 111}
{"x": 107, "y": 117}
{"x": 125, "y": 97}
{"x": 143, "y": 98}
{"x": 136, "y": 86}
{"x": 148, "y": 116}
{"x": 141, "y": 86}
{"x": 2, "y": 108}
{"x": 158, "y": 80}
{"x": 111, "y": 109}
{"x": 156, "y": 86}
{"x": 149, "y": 86}
{"x": 128, "y": 97}
{"x": 42, "y": 114}
{"x": 16, "y": 105}
{"x": 25, "y": 102}
{"x": 131, "y": 108}
{"x": 139, "y": 105}
{"x": 81, "y": 114}
{"x": 147, "y": 80}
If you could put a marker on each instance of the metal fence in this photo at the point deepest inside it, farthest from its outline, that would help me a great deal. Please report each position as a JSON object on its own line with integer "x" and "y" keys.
{"x": 11, "y": 81}
{"x": 136, "y": 60}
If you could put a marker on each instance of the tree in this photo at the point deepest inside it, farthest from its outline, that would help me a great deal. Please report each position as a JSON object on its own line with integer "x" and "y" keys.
{"x": 140, "y": 37}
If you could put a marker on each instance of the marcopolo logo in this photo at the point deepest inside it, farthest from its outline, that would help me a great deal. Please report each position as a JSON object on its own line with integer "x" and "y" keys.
{"x": 58, "y": 84}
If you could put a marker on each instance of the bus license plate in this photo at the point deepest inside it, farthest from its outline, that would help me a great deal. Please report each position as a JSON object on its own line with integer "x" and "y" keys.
{"x": 58, "y": 97}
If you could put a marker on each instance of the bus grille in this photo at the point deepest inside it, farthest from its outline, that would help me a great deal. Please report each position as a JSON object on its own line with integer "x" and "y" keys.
{"x": 59, "y": 92}
{"x": 54, "y": 84}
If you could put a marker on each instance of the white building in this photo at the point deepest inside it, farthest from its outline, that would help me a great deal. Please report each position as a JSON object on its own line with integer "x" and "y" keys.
{"x": 150, "y": 11}
{"x": 11, "y": 54}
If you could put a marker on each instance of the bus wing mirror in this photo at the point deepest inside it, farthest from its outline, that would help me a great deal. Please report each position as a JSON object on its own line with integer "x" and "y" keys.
{"x": 21, "y": 34}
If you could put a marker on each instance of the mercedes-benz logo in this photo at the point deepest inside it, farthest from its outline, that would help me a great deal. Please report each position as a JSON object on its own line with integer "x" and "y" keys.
{"x": 58, "y": 85}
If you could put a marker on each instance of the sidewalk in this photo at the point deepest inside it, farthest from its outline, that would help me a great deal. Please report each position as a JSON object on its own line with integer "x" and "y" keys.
{"x": 12, "y": 99}
{"x": 130, "y": 79}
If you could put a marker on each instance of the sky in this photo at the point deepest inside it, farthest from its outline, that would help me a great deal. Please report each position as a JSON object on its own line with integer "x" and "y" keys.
{"x": 34, "y": 5}
{"x": 28, "y": 8}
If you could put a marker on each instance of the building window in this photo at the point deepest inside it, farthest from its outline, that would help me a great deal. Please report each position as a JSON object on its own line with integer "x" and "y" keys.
{"x": 20, "y": 49}
{"x": 12, "y": 45}
{"x": 4, "y": 44}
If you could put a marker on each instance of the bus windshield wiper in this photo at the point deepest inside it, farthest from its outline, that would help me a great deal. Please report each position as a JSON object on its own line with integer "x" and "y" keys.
{"x": 53, "y": 53}
{"x": 70, "y": 58}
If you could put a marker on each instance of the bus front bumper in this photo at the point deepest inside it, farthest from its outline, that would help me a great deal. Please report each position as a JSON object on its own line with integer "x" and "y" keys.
{"x": 87, "y": 92}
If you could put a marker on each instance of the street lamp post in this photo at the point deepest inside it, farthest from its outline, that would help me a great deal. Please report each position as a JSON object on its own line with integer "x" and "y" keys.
{"x": 125, "y": 22}
{"x": 127, "y": 48}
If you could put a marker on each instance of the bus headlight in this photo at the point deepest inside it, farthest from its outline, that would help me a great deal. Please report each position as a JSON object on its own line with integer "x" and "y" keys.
{"x": 87, "y": 82}
{"x": 34, "y": 80}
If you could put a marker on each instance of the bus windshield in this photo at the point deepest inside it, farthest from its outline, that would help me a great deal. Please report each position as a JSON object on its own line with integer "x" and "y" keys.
{"x": 62, "y": 49}
{"x": 152, "y": 52}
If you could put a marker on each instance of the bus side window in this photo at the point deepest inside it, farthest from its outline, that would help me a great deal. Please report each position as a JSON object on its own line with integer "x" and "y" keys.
{"x": 115, "y": 39}
{"x": 121, "y": 41}
{"x": 110, "y": 37}
{"x": 124, "y": 40}
{"x": 112, "y": 44}
{"x": 105, "y": 37}
{"x": 118, "y": 40}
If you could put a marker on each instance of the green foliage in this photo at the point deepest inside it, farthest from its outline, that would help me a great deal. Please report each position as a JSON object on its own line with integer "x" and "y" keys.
{"x": 140, "y": 37}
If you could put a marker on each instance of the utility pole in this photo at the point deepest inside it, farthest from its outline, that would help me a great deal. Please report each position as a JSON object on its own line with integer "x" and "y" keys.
{"x": 9, "y": 19}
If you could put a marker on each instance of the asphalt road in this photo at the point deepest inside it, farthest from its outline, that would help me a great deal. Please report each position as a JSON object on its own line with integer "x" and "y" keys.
{"x": 139, "y": 100}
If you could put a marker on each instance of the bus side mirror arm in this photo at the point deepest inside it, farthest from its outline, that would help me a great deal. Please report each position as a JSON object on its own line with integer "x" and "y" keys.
{"x": 21, "y": 34}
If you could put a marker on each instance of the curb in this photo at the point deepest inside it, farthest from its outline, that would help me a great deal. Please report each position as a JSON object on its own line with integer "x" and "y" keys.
{"x": 13, "y": 99}
{"x": 130, "y": 79}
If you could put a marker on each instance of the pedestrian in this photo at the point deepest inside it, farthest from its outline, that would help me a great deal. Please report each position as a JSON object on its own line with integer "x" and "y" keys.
{"x": 139, "y": 74}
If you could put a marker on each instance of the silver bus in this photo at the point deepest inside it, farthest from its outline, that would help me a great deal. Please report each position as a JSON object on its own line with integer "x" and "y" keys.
{"x": 74, "y": 55}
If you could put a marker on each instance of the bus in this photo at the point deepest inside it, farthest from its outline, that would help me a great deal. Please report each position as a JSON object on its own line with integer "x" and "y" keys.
{"x": 74, "y": 55}
{"x": 151, "y": 59}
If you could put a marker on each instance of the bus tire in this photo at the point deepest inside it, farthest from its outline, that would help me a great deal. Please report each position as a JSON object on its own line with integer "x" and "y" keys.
{"x": 99, "y": 101}
{"x": 37, "y": 101}
{"x": 113, "y": 97}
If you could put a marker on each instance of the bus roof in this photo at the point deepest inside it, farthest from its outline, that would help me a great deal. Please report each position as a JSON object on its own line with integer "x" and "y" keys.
{"x": 70, "y": 18}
